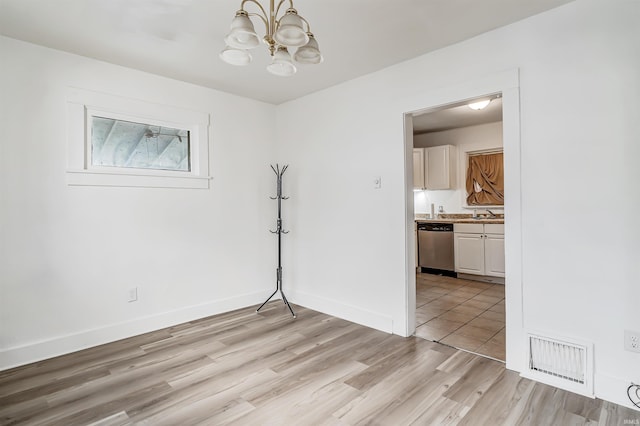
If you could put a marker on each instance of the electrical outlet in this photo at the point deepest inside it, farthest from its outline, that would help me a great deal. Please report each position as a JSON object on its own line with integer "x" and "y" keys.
{"x": 133, "y": 294}
{"x": 632, "y": 341}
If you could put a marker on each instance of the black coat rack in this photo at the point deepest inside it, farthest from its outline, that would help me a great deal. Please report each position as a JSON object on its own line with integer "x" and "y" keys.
{"x": 279, "y": 231}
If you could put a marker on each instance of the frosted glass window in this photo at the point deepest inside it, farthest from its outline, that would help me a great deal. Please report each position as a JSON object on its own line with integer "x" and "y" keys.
{"x": 120, "y": 143}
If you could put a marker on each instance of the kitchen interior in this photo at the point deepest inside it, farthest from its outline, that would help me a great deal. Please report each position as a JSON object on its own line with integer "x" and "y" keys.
{"x": 458, "y": 183}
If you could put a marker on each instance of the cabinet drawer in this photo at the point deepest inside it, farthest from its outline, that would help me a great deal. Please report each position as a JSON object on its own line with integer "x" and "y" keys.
{"x": 470, "y": 228}
{"x": 494, "y": 228}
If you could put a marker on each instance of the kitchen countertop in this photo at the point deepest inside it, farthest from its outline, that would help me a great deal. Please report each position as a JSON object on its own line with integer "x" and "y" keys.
{"x": 460, "y": 220}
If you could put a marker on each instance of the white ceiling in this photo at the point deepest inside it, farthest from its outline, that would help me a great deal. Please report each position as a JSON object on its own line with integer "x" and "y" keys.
{"x": 456, "y": 116}
{"x": 181, "y": 39}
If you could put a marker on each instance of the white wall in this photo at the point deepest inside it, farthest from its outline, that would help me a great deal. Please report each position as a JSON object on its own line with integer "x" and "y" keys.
{"x": 579, "y": 130}
{"x": 466, "y": 139}
{"x": 68, "y": 255}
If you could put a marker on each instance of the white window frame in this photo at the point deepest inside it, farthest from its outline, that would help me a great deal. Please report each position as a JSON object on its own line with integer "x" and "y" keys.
{"x": 82, "y": 105}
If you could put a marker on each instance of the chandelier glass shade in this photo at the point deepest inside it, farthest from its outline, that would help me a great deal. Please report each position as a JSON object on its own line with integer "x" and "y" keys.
{"x": 242, "y": 34}
{"x": 309, "y": 53}
{"x": 281, "y": 64}
{"x": 234, "y": 56}
{"x": 288, "y": 31}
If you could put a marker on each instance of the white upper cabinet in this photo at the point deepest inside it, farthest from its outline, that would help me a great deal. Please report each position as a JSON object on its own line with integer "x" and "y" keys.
{"x": 435, "y": 167}
{"x": 418, "y": 168}
{"x": 440, "y": 167}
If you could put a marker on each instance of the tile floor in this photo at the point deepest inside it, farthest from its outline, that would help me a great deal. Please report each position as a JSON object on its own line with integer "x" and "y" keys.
{"x": 465, "y": 314}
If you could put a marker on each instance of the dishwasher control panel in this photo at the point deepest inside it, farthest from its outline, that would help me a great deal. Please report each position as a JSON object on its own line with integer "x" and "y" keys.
{"x": 436, "y": 227}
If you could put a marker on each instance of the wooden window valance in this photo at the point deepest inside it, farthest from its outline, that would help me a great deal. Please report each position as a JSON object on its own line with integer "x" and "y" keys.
{"x": 485, "y": 180}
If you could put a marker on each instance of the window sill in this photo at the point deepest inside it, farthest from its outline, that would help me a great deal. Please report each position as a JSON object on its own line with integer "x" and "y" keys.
{"x": 140, "y": 180}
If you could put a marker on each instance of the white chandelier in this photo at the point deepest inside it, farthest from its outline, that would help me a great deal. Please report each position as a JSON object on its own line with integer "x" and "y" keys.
{"x": 281, "y": 33}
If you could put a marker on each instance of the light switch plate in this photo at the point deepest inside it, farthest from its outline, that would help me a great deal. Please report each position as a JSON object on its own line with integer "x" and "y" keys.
{"x": 133, "y": 294}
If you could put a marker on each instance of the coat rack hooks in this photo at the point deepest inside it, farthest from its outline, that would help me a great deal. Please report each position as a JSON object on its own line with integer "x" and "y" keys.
{"x": 279, "y": 231}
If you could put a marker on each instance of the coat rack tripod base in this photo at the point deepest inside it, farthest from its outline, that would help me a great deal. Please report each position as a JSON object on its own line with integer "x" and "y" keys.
{"x": 279, "y": 231}
{"x": 279, "y": 289}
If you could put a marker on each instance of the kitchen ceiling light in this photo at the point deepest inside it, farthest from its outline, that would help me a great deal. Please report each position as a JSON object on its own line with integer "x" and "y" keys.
{"x": 479, "y": 105}
{"x": 290, "y": 30}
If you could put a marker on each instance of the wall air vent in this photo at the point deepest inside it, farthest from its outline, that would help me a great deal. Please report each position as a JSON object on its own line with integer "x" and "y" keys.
{"x": 563, "y": 364}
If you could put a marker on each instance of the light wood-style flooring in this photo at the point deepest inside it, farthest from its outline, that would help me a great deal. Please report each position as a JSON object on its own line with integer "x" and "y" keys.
{"x": 249, "y": 368}
{"x": 468, "y": 315}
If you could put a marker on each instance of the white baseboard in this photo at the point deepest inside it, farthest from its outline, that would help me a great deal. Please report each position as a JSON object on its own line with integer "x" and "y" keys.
{"x": 37, "y": 351}
{"x": 614, "y": 389}
{"x": 341, "y": 310}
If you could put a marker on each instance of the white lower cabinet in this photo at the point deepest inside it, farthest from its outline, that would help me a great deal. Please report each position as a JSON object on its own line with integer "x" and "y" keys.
{"x": 469, "y": 253}
{"x": 479, "y": 249}
{"x": 494, "y": 255}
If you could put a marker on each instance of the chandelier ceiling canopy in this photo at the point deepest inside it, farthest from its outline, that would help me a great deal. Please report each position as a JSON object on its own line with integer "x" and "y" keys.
{"x": 289, "y": 30}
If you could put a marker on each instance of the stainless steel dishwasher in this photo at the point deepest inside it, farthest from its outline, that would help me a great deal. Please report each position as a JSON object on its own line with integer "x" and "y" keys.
{"x": 435, "y": 246}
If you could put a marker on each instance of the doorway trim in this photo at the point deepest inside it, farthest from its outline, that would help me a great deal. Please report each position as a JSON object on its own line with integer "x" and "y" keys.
{"x": 507, "y": 83}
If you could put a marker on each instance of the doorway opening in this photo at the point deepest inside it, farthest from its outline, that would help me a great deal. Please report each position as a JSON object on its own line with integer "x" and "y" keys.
{"x": 462, "y": 305}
